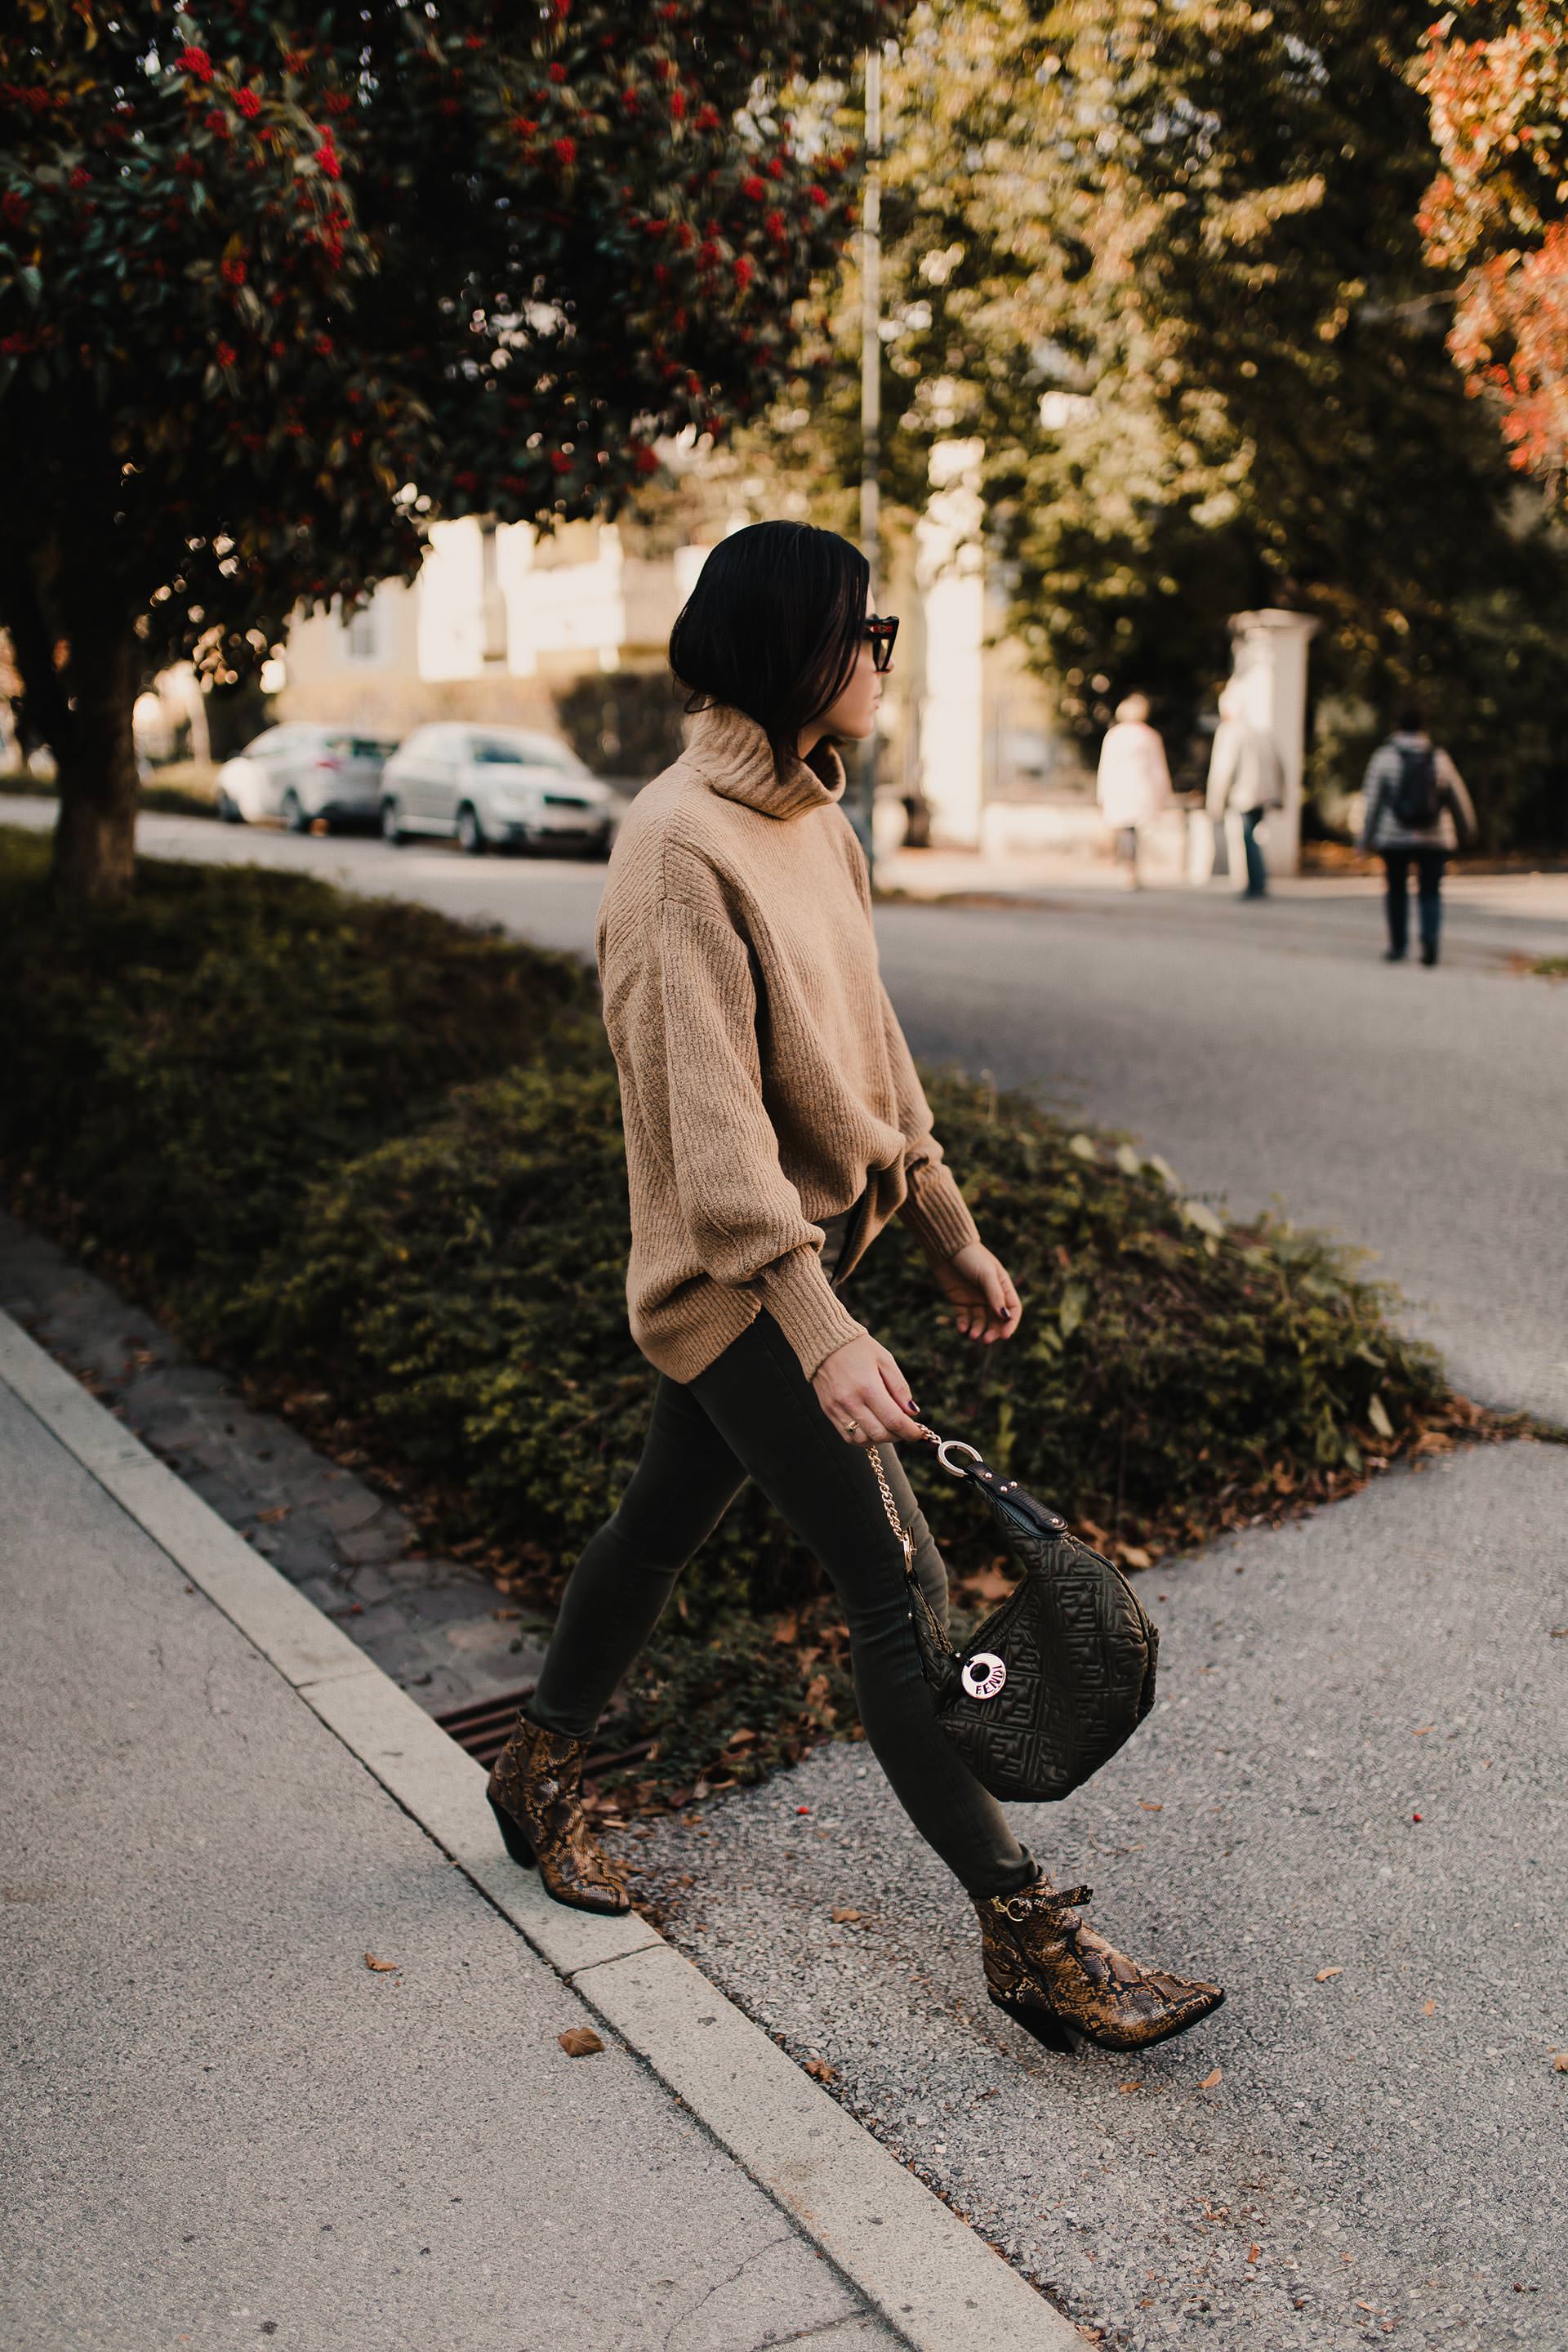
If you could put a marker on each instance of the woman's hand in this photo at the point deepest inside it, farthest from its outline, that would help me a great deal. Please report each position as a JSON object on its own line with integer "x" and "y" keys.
{"x": 981, "y": 1291}
{"x": 864, "y": 1394}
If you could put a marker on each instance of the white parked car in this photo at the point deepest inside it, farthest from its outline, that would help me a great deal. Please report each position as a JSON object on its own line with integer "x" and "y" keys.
{"x": 496, "y": 788}
{"x": 300, "y": 772}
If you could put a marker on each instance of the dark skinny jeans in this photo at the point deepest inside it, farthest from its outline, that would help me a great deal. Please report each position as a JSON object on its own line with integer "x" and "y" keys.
{"x": 754, "y": 1414}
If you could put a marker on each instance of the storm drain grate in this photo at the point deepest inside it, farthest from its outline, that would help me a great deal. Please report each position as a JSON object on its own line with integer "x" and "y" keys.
{"x": 484, "y": 1727}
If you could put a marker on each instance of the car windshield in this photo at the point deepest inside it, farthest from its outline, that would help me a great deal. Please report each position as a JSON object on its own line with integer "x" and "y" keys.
{"x": 495, "y": 751}
{"x": 363, "y": 747}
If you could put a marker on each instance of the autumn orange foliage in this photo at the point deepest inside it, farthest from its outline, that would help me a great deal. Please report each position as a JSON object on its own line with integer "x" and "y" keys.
{"x": 1497, "y": 214}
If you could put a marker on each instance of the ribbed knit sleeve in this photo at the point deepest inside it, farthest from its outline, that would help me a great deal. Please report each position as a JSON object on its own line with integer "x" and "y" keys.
{"x": 743, "y": 1213}
{"x": 934, "y": 1209}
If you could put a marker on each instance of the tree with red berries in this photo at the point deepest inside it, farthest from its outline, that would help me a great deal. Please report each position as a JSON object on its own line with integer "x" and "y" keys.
{"x": 281, "y": 284}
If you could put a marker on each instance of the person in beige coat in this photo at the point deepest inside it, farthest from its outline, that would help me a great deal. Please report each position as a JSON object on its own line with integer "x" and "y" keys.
{"x": 774, "y": 1123}
{"x": 1134, "y": 785}
{"x": 1246, "y": 779}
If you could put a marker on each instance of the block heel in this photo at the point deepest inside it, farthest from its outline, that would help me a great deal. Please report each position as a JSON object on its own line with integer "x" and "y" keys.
{"x": 1048, "y": 2031}
{"x": 512, "y": 1836}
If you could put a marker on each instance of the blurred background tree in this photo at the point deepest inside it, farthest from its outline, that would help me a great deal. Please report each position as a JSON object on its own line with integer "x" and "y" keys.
{"x": 280, "y": 285}
{"x": 1169, "y": 264}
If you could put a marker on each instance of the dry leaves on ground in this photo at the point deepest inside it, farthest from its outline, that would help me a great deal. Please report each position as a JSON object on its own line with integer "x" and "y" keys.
{"x": 579, "y": 2041}
{"x": 1560, "y": 2062}
{"x": 381, "y": 1968}
{"x": 844, "y": 1914}
{"x": 1209, "y": 2080}
{"x": 820, "y": 2071}
{"x": 1324, "y": 1974}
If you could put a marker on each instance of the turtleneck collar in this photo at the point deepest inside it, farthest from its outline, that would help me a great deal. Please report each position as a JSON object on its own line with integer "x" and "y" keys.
{"x": 733, "y": 755}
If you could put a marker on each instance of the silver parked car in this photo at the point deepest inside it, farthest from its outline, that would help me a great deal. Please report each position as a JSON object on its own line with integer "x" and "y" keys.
{"x": 300, "y": 772}
{"x": 495, "y": 787}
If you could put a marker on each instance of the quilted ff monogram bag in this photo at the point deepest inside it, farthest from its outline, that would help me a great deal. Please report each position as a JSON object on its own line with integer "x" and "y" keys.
{"x": 1061, "y": 1675}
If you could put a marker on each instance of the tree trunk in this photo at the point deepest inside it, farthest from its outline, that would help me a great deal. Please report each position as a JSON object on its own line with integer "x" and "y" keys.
{"x": 95, "y": 834}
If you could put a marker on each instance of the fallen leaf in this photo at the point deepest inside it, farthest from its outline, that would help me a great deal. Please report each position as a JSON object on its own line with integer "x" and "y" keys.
{"x": 1423, "y": 1728}
{"x": 278, "y": 1511}
{"x": 1092, "y": 2335}
{"x": 1210, "y": 2080}
{"x": 381, "y": 1968}
{"x": 1134, "y": 1556}
{"x": 1149, "y": 1808}
{"x": 820, "y": 2071}
{"x": 579, "y": 2041}
{"x": 1365, "y": 2307}
{"x": 1560, "y": 1633}
{"x": 1252, "y": 2254}
{"x": 844, "y": 1913}
{"x": 1130, "y": 2086}
{"x": 1324, "y": 1974}
{"x": 1377, "y": 1413}
{"x": 1428, "y": 2008}
{"x": 1560, "y": 2062}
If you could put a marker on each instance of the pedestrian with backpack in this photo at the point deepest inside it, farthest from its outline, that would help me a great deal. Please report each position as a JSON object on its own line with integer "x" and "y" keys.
{"x": 1418, "y": 813}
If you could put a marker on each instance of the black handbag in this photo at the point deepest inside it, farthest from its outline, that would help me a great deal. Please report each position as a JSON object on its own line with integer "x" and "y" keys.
{"x": 1063, "y": 1673}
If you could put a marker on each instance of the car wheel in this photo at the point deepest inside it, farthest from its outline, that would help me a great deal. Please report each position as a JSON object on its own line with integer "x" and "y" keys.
{"x": 391, "y": 823}
{"x": 291, "y": 809}
{"x": 604, "y": 845}
{"x": 470, "y": 832}
{"x": 228, "y": 810}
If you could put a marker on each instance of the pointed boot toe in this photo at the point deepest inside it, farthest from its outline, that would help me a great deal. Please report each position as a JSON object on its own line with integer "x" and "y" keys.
{"x": 1055, "y": 1977}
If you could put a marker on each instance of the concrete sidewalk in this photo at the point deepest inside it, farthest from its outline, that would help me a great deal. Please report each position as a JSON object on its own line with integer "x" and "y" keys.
{"x": 226, "y": 2127}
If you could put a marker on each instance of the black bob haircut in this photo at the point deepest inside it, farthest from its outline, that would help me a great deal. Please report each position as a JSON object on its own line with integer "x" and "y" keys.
{"x": 774, "y": 626}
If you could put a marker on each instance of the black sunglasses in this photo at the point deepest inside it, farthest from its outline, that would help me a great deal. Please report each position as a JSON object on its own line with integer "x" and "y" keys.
{"x": 879, "y": 635}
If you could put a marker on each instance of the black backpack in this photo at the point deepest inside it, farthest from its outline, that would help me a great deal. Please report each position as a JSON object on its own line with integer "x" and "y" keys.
{"x": 1416, "y": 800}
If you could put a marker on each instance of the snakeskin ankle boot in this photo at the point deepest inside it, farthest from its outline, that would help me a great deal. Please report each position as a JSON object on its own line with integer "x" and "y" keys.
{"x": 1050, "y": 1972}
{"x": 536, "y": 1794}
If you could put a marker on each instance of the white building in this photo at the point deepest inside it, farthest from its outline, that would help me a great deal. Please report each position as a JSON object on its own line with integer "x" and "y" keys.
{"x": 497, "y": 618}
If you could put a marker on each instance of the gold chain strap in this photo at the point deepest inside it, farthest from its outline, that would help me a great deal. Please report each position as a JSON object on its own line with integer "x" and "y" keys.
{"x": 891, "y": 1509}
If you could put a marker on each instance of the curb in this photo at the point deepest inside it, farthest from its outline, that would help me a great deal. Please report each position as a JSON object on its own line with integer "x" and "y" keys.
{"x": 936, "y": 2283}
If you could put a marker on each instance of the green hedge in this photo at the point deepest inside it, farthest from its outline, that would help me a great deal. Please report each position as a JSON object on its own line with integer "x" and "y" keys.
{"x": 464, "y": 1289}
{"x": 179, "y": 1074}
{"x": 372, "y": 1158}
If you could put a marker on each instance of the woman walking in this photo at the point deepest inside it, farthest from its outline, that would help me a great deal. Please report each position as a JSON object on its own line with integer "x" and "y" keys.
{"x": 773, "y": 1125}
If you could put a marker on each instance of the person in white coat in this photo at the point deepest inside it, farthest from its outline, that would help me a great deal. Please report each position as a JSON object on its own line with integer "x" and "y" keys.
{"x": 1246, "y": 779}
{"x": 1134, "y": 782}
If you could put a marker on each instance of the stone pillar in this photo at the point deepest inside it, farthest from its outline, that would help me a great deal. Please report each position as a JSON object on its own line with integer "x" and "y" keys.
{"x": 1268, "y": 676}
{"x": 950, "y": 573}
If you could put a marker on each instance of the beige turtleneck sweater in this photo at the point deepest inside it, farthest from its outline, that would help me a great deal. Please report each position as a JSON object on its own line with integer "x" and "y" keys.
{"x": 764, "y": 1078}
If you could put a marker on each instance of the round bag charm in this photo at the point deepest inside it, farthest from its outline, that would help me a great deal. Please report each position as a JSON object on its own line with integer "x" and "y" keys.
{"x": 983, "y": 1674}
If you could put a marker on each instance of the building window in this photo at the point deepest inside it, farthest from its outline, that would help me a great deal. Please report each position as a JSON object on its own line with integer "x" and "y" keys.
{"x": 362, "y": 635}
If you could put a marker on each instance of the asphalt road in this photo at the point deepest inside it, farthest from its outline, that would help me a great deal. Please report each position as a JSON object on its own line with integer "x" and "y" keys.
{"x": 1267, "y": 1053}
{"x": 1348, "y": 1806}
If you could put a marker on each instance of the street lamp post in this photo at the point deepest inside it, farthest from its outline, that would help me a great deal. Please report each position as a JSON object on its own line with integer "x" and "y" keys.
{"x": 870, "y": 398}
